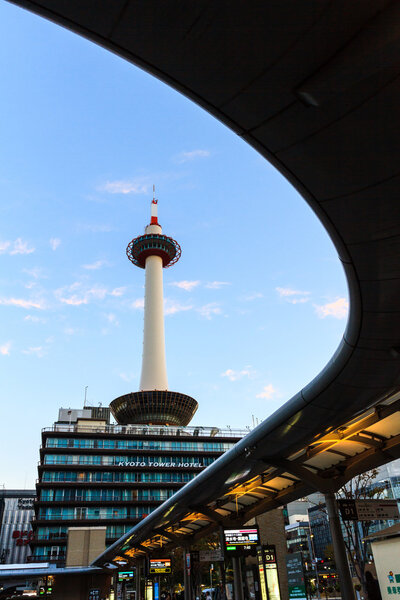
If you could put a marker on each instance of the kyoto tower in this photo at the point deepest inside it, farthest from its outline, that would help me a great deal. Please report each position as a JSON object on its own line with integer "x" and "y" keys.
{"x": 154, "y": 404}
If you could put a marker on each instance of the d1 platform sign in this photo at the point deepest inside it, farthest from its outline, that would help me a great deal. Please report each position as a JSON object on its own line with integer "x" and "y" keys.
{"x": 368, "y": 510}
{"x": 268, "y": 570}
{"x": 241, "y": 542}
{"x": 159, "y": 566}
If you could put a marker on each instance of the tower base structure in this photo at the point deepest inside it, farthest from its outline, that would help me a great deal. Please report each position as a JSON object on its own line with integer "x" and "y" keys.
{"x": 154, "y": 407}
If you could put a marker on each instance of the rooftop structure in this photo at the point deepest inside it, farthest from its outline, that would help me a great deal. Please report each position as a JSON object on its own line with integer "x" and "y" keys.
{"x": 154, "y": 403}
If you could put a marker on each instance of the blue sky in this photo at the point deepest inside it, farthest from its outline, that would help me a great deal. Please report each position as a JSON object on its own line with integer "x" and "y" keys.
{"x": 255, "y": 307}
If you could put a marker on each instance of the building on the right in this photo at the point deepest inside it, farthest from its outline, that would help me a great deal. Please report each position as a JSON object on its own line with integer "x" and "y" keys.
{"x": 319, "y": 527}
{"x": 298, "y": 539}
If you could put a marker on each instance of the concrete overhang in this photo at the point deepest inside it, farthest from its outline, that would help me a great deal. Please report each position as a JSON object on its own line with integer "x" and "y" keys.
{"x": 315, "y": 88}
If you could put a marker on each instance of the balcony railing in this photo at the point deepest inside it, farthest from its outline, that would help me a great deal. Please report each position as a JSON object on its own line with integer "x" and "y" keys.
{"x": 60, "y": 517}
{"x": 47, "y": 557}
{"x": 50, "y": 536}
{"x": 143, "y": 430}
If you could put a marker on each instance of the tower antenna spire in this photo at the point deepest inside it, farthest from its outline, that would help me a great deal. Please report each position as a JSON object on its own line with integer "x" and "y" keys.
{"x": 154, "y": 202}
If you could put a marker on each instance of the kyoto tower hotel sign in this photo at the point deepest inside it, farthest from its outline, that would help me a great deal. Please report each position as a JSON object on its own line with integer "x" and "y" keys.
{"x": 154, "y": 403}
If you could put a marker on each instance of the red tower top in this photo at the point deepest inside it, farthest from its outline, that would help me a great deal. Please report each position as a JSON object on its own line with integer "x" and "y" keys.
{"x": 153, "y": 242}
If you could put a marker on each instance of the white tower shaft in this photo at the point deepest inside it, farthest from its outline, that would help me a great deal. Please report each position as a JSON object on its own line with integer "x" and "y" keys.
{"x": 154, "y": 367}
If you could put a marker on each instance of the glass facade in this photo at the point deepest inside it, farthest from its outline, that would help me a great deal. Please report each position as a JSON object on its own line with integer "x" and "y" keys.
{"x": 104, "y": 494}
{"x": 118, "y": 476}
{"x": 139, "y": 444}
{"x": 93, "y": 512}
{"x": 319, "y": 524}
{"x": 131, "y": 460}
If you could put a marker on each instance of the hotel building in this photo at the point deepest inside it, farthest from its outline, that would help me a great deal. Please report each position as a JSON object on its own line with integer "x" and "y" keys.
{"x": 94, "y": 473}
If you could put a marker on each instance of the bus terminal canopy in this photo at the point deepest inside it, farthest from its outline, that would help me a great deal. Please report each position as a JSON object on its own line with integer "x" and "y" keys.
{"x": 315, "y": 88}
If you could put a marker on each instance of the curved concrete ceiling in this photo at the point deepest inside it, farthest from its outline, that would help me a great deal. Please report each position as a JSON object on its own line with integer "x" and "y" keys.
{"x": 315, "y": 88}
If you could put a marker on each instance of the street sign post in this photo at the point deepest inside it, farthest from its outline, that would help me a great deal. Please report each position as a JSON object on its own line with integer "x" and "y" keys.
{"x": 368, "y": 510}
{"x": 211, "y": 555}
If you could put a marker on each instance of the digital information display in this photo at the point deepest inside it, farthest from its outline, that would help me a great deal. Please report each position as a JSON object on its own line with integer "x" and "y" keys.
{"x": 122, "y": 575}
{"x": 240, "y": 542}
{"x": 159, "y": 566}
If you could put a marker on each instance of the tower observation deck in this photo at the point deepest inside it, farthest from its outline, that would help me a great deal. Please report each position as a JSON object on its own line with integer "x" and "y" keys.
{"x": 154, "y": 403}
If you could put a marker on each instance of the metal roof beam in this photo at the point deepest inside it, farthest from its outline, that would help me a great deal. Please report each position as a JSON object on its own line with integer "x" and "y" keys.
{"x": 209, "y": 513}
{"x": 304, "y": 474}
{"x": 167, "y": 534}
{"x": 365, "y": 440}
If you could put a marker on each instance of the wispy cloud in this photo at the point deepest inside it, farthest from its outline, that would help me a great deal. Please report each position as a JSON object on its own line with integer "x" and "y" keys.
{"x": 34, "y": 319}
{"x": 128, "y": 377}
{"x": 337, "y": 309}
{"x": 4, "y": 246}
{"x": 293, "y": 296}
{"x": 77, "y": 294}
{"x": 54, "y": 243}
{"x": 216, "y": 285}
{"x": 5, "y": 349}
{"x": 23, "y": 303}
{"x": 71, "y": 330}
{"x": 209, "y": 310}
{"x": 112, "y": 318}
{"x": 188, "y": 286}
{"x": 117, "y": 292}
{"x": 268, "y": 392}
{"x": 138, "y": 304}
{"x": 233, "y": 375}
{"x": 35, "y": 272}
{"x": 98, "y": 264}
{"x": 171, "y": 307}
{"x": 35, "y": 350}
{"x": 253, "y": 296}
{"x": 190, "y": 155}
{"x": 136, "y": 185}
{"x": 19, "y": 246}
